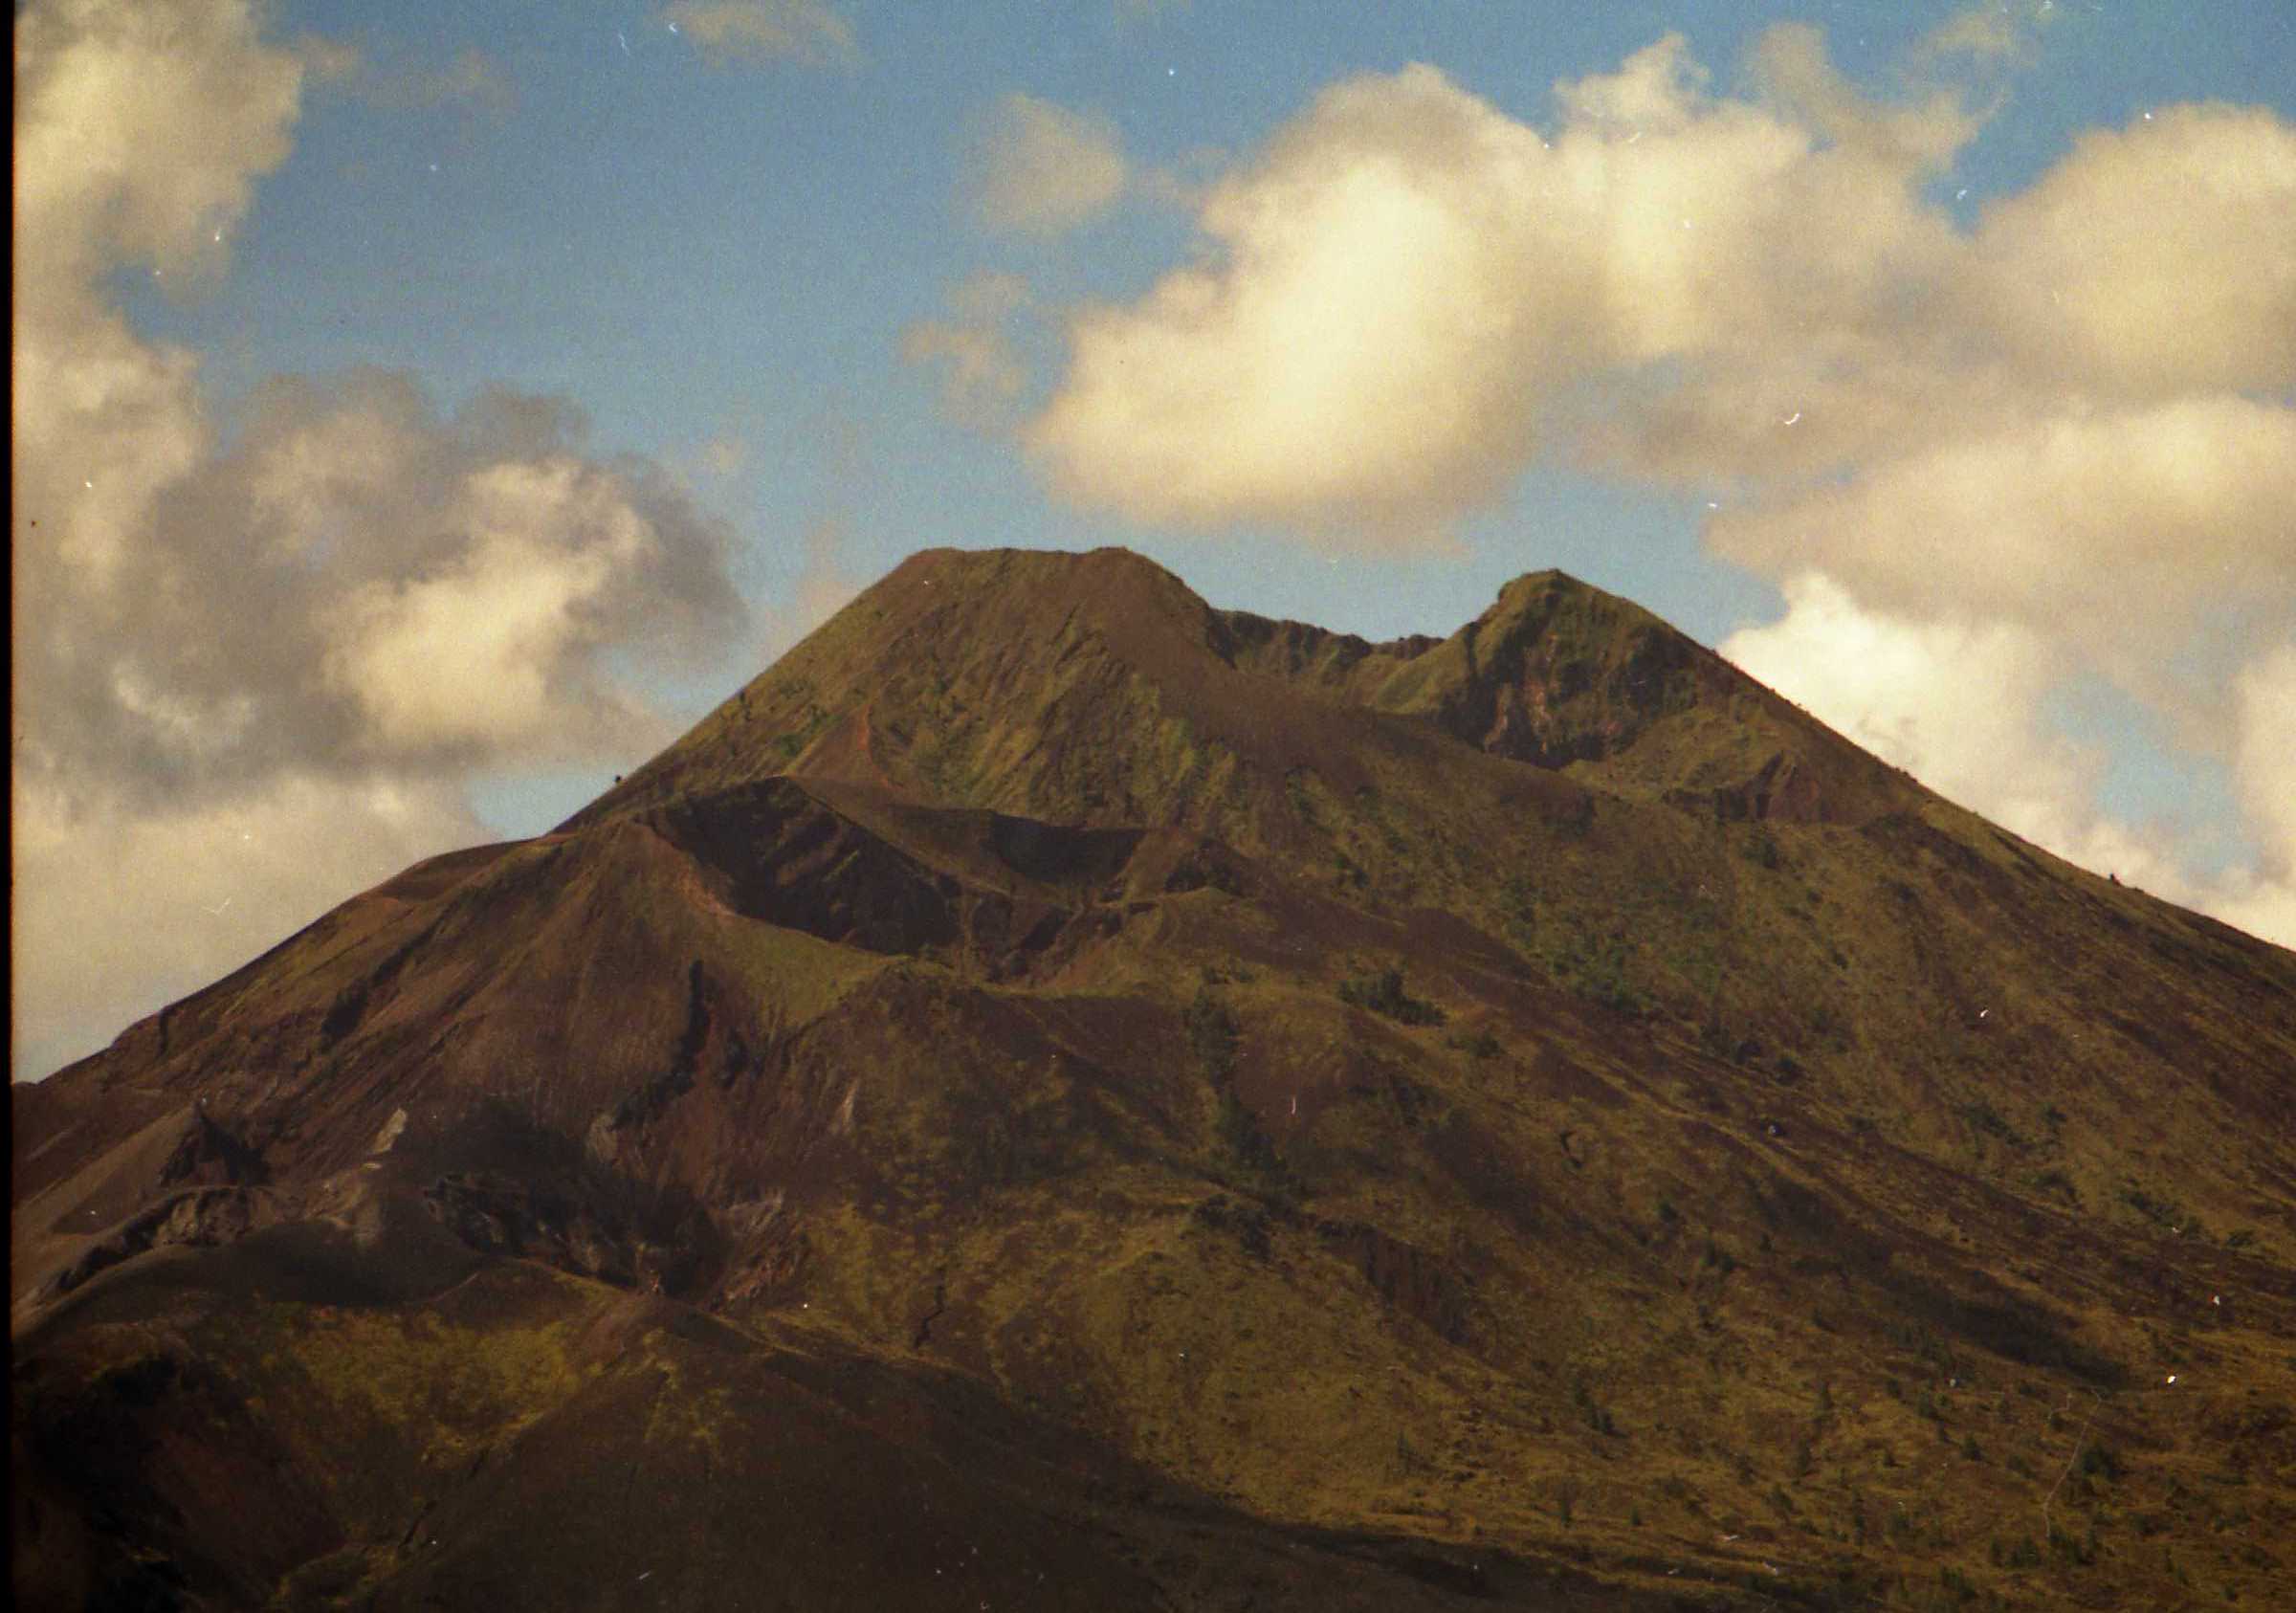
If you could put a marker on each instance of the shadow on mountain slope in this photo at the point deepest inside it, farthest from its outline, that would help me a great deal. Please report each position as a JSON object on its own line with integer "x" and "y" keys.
{"x": 1058, "y": 1096}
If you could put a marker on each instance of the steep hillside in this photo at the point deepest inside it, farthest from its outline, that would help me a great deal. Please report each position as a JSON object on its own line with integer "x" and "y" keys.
{"x": 1059, "y": 1095}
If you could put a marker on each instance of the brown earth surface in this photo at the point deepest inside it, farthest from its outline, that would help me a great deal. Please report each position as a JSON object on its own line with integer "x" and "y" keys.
{"x": 1059, "y": 1096}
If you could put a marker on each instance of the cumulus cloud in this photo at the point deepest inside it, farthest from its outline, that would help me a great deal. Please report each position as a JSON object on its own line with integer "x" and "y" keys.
{"x": 361, "y": 582}
{"x": 728, "y": 31}
{"x": 1403, "y": 292}
{"x": 2056, "y": 442}
{"x": 1419, "y": 284}
{"x": 497, "y": 649}
{"x": 2118, "y": 531}
{"x": 2152, "y": 260}
{"x": 316, "y": 629}
{"x": 1977, "y": 32}
{"x": 981, "y": 374}
{"x": 139, "y": 136}
{"x": 1790, "y": 62}
{"x": 1338, "y": 363}
{"x": 2267, "y": 748}
{"x": 1039, "y": 169}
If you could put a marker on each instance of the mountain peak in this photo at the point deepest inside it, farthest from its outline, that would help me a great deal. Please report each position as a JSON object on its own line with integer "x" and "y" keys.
{"x": 1110, "y": 577}
{"x": 1548, "y": 576}
{"x": 1098, "y": 687}
{"x": 1261, "y": 1105}
{"x": 1555, "y": 671}
{"x": 962, "y": 677}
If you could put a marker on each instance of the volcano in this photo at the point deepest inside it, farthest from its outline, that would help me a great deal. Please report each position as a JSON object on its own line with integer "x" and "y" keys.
{"x": 1059, "y": 1096}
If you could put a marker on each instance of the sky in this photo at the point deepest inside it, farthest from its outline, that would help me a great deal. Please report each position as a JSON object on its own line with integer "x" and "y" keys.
{"x": 422, "y": 415}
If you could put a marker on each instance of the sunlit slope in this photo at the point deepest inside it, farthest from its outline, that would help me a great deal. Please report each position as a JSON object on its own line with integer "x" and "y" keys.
{"x": 1335, "y": 1124}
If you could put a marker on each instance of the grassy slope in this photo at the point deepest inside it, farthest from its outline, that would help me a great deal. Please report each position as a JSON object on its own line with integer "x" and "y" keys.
{"x": 1805, "y": 1194}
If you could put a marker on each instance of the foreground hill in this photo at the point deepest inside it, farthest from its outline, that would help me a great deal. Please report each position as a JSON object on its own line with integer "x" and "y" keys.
{"x": 1056, "y": 1095}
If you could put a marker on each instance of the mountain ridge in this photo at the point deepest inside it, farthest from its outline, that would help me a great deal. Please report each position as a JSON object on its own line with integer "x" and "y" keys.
{"x": 1158, "y": 624}
{"x": 1425, "y": 1123}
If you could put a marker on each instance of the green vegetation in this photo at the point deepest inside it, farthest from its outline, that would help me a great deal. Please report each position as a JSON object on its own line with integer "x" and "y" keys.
{"x": 1249, "y": 1157}
{"x": 1382, "y": 992}
{"x": 2098, "y": 1462}
{"x": 1212, "y": 1036}
{"x": 1125, "y": 1093}
{"x": 1598, "y": 964}
{"x": 2162, "y": 1212}
{"x": 1985, "y": 1119}
{"x": 791, "y": 744}
{"x": 1598, "y": 1417}
{"x": 447, "y": 1387}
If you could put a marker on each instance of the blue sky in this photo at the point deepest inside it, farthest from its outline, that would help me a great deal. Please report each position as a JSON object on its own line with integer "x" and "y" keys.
{"x": 745, "y": 251}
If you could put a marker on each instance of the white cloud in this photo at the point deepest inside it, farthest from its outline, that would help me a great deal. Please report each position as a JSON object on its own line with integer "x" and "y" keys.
{"x": 1039, "y": 169}
{"x": 2265, "y": 757}
{"x": 139, "y": 135}
{"x": 738, "y": 31}
{"x": 2155, "y": 259}
{"x": 1404, "y": 294}
{"x": 139, "y": 132}
{"x": 1791, "y": 63}
{"x": 318, "y": 629}
{"x": 2118, "y": 533}
{"x": 495, "y": 650}
{"x": 361, "y": 583}
{"x": 1407, "y": 294}
{"x": 1339, "y": 359}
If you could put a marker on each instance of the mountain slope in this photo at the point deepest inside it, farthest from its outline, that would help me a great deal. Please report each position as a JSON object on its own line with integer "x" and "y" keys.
{"x": 1266, "y": 1116}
